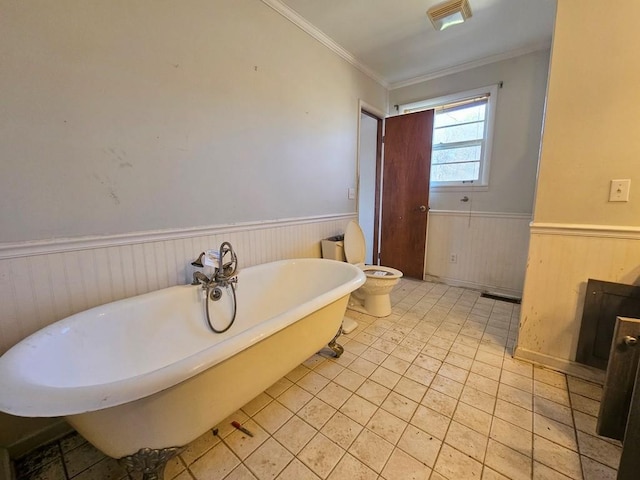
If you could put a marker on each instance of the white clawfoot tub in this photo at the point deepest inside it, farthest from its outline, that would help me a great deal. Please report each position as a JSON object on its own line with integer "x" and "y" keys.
{"x": 146, "y": 372}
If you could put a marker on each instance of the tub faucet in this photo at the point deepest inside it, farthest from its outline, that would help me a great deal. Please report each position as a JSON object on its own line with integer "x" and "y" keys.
{"x": 200, "y": 278}
{"x": 226, "y": 272}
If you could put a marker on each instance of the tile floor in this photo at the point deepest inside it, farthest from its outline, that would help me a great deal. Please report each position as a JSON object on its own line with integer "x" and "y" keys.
{"x": 430, "y": 392}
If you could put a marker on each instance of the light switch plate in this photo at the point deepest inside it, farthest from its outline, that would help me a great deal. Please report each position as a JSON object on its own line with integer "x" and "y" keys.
{"x": 351, "y": 194}
{"x": 619, "y": 190}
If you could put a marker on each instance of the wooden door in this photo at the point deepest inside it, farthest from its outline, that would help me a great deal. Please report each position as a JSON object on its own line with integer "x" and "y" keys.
{"x": 405, "y": 192}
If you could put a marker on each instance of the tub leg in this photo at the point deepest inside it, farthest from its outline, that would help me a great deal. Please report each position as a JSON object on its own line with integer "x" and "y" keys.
{"x": 149, "y": 461}
{"x": 335, "y": 346}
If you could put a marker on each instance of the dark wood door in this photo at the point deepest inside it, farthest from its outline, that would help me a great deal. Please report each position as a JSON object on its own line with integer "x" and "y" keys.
{"x": 405, "y": 192}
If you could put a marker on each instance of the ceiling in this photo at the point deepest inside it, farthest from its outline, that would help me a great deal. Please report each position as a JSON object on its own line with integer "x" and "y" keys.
{"x": 394, "y": 41}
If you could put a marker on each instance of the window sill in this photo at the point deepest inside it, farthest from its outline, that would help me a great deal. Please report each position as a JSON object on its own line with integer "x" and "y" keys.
{"x": 459, "y": 188}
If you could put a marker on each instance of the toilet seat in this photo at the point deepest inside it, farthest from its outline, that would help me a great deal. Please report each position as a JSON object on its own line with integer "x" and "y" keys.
{"x": 355, "y": 251}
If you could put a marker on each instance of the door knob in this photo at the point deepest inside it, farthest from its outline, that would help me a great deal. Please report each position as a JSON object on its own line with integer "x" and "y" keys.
{"x": 629, "y": 340}
{"x": 422, "y": 208}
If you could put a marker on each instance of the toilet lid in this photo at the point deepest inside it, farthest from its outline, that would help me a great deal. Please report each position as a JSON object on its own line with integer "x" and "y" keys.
{"x": 354, "y": 244}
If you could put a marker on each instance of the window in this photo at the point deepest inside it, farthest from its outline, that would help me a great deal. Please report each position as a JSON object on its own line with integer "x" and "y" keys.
{"x": 462, "y": 133}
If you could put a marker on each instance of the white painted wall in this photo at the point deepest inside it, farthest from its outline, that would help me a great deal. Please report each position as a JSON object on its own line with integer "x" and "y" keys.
{"x": 128, "y": 116}
{"x": 591, "y": 136}
{"x": 134, "y": 116}
{"x": 518, "y": 127}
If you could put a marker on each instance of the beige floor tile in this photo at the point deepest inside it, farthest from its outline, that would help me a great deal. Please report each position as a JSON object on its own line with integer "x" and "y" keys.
{"x": 420, "y": 445}
{"x": 517, "y": 381}
{"x": 410, "y": 389}
{"x": 216, "y": 464}
{"x": 371, "y": 449}
{"x": 403, "y": 466}
{"x": 355, "y": 347}
{"x": 349, "y": 380}
{"x": 316, "y": 413}
{"x": 473, "y": 418}
{"x": 542, "y": 472}
{"x": 420, "y": 375}
{"x": 557, "y": 457}
{"x": 81, "y": 458}
{"x": 490, "y": 474}
{"x": 396, "y": 364}
{"x": 363, "y": 367}
{"x": 555, "y": 431}
{"x": 584, "y": 388}
{"x": 385, "y": 377}
{"x": 342, "y": 430}
{"x": 514, "y": 414}
{"x": 358, "y": 409}
{"x": 334, "y": 395}
{"x": 434, "y": 351}
{"x": 466, "y": 440}
{"x": 297, "y": 373}
{"x": 350, "y": 467}
{"x": 454, "y": 373}
{"x": 373, "y": 392}
{"x": 387, "y": 426}
{"x": 550, "y": 377}
{"x": 295, "y": 434}
{"x": 405, "y": 353}
{"x": 430, "y": 421}
{"x": 455, "y": 464}
{"x": 313, "y": 382}
{"x": 202, "y": 444}
{"x": 478, "y": 399}
{"x": 240, "y": 473}
{"x": 374, "y": 355}
{"x": 600, "y": 450}
{"x": 399, "y": 406}
{"x": 329, "y": 370}
{"x": 321, "y": 455}
{"x": 384, "y": 345}
{"x": 439, "y": 402}
{"x": 459, "y": 361}
{"x": 552, "y": 393}
{"x": 553, "y": 410}
{"x": 258, "y": 403}
{"x": 268, "y": 460}
{"x": 585, "y": 405}
{"x": 489, "y": 358}
{"x": 516, "y": 396}
{"x": 593, "y": 470}
{"x": 296, "y": 470}
{"x": 507, "y": 461}
{"x": 482, "y": 383}
{"x": 242, "y": 444}
{"x": 447, "y": 386}
{"x": 486, "y": 370}
{"x": 273, "y": 416}
{"x": 279, "y": 387}
{"x": 424, "y": 360}
{"x": 513, "y": 436}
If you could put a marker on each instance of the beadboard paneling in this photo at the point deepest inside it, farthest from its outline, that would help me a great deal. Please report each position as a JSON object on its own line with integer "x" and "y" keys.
{"x": 42, "y": 282}
{"x": 491, "y": 249}
{"x": 559, "y": 267}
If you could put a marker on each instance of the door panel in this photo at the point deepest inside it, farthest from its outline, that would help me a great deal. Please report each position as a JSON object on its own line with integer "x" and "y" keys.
{"x": 405, "y": 192}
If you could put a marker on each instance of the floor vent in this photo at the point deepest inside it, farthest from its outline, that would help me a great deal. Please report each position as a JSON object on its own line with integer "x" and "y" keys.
{"x": 502, "y": 298}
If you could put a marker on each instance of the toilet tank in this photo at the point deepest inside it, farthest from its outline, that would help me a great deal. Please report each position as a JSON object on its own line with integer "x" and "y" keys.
{"x": 333, "y": 250}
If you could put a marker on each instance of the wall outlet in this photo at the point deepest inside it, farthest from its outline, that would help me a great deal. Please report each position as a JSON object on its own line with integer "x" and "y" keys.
{"x": 351, "y": 193}
{"x": 619, "y": 191}
{"x": 453, "y": 258}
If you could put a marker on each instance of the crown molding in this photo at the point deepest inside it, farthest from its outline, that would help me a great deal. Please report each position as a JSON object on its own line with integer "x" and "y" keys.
{"x": 295, "y": 18}
{"x": 472, "y": 64}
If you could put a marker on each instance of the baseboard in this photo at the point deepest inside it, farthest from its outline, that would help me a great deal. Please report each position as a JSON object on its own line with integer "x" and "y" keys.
{"x": 41, "y": 437}
{"x": 6, "y": 473}
{"x": 569, "y": 367}
{"x": 507, "y": 292}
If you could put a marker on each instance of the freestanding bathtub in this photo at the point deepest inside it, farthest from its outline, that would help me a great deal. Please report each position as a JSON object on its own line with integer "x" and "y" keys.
{"x": 147, "y": 373}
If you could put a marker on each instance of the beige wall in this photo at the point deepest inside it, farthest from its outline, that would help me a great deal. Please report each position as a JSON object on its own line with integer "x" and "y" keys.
{"x": 591, "y": 135}
{"x": 125, "y": 116}
{"x": 134, "y": 116}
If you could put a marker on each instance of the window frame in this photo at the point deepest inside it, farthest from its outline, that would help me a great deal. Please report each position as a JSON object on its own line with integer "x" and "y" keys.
{"x": 485, "y": 160}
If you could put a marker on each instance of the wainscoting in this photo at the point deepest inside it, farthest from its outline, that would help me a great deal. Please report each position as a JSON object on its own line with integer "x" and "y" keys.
{"x": 561, "y": 260}
{"x": 42, "y": 282}
{"x": 490, "y": 249}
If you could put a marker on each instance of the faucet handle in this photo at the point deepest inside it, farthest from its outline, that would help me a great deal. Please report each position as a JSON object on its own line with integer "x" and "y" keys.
{"x": 198, "y": 262}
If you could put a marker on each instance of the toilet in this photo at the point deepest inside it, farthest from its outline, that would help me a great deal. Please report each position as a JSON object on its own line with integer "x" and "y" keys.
{"x": 371, "y": 298}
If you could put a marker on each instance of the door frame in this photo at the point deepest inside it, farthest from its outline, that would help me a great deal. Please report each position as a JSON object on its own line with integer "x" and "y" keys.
{"x": 375, "y": 113}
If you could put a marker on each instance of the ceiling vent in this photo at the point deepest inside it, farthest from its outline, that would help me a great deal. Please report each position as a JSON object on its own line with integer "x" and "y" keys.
{"x": 449, "y": 13}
